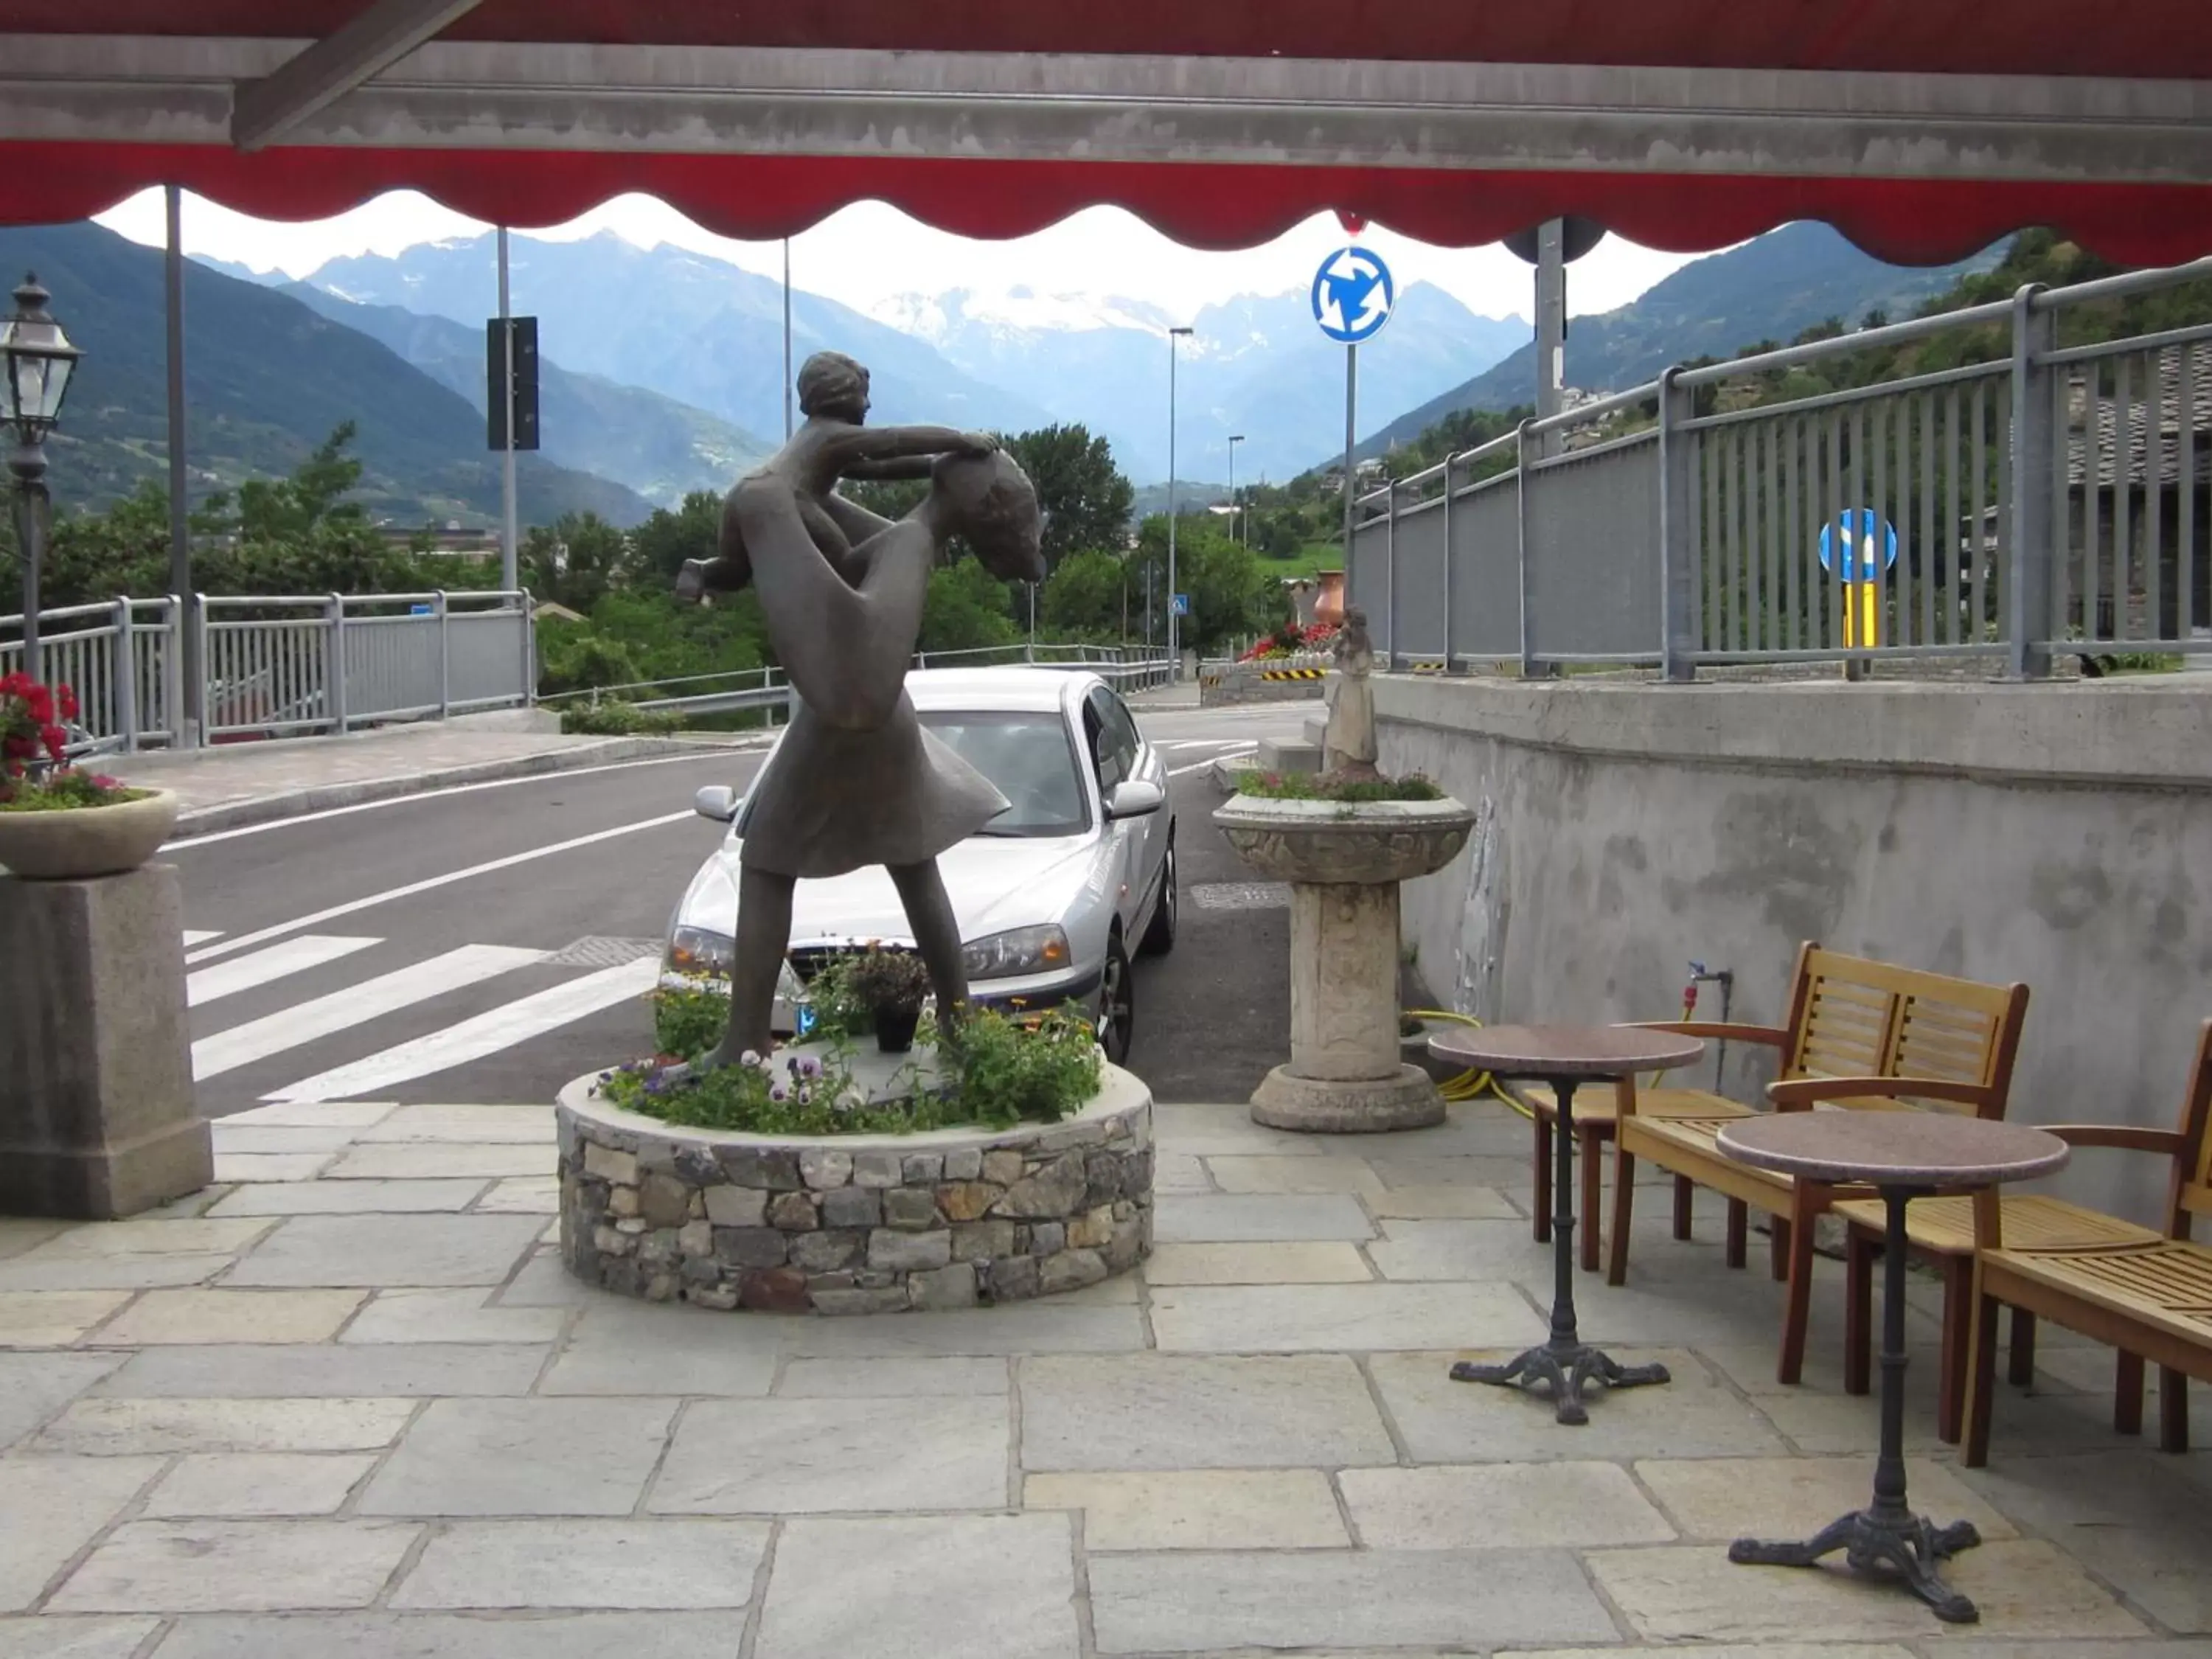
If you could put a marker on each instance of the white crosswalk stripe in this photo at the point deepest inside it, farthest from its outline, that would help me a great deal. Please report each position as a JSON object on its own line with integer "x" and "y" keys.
{"x": 200, "y": 936}
{"x": 485, "y": 1034}
{"x": 326, "y": 1016}
{"x": 292, "y": 956}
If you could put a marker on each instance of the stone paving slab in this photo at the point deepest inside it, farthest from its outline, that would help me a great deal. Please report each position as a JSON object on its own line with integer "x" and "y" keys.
{"x": 52, "y": 1507}
{"x": 1249, "y": 1446}
{"x": 524, "y": 1565}
{"x": 1196, "y": 1603}
{"x": 238, "y": 1485}
{"x": 523, "y": 1457}
{"x": 1165, "y": 1412}
{"x": 1197, "y": 1509}
{"x": 817, "y": 1456}
{"x": 237, "y": 1566}
{"x": 1006, "y": 1584}
{"x": 120, "y": 1428}
{"x": 74, "y": 1639}
{"x": 459, "y": 1636}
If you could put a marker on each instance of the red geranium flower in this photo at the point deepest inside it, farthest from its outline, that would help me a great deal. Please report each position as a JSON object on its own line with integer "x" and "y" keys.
{"x": 56, "y": 741}
{"x": 65, "y": 700}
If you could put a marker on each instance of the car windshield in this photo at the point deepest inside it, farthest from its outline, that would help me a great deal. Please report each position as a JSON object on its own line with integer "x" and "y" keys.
{"x": 1027, "y": 755}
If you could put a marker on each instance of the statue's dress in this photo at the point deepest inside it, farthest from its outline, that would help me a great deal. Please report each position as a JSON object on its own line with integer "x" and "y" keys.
{"x": 856, "y": 780}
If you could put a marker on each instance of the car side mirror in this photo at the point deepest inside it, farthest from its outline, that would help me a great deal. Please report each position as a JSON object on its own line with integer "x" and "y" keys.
{"x": 1133, "y": 797}
{"x": 717, "y": 801}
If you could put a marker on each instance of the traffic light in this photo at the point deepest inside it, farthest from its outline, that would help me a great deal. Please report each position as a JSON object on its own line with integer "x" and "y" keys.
{"x": 524, "y": 400}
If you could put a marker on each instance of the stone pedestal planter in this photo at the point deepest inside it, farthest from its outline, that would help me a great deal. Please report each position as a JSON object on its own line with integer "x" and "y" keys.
{"x": 84, "y": 841}
{"x": 97, "y": 1118}
{"x": 854, "y": 1224}
{"x": 1344, "y": 863}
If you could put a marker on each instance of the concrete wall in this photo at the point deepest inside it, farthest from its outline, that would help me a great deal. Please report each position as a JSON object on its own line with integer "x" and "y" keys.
{"x": 2058, "y": 835}
{"x": 1225, "y": 683}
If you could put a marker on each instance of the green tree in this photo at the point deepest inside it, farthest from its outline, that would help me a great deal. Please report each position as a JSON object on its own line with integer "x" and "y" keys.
{"x": 1230, "y": 593}
{"x": 574, "y": 560}
{"x": 966, "y": 608}
{"x": 659, "y": 546}
{"x": 1084, "y": 595}
{"x": 1086, "y": 498}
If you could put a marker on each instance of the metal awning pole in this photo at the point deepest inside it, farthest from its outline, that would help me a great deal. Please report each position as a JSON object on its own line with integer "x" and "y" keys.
{"x": 509, "y": 537}
{"x": 184, "y": 729}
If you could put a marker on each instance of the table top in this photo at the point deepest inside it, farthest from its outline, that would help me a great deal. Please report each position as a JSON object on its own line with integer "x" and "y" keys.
{"x": 1894, "y": 1149}
{"x": 1564, "y": 1051}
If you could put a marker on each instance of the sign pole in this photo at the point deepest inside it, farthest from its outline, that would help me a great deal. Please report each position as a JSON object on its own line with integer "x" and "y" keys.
{"x": 508, "y": 536}
{"x": 1351, "y": 442}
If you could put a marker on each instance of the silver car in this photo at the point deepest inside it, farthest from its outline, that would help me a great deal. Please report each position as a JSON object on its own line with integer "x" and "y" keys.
{"x": 1053, "y": 895}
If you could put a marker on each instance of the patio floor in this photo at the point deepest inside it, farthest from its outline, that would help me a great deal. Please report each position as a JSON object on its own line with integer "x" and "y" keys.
{"x": 348, "y": 1405}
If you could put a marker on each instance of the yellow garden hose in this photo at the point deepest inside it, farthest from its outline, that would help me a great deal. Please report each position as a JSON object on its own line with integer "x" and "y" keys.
{"x": 1472, "y": 1084}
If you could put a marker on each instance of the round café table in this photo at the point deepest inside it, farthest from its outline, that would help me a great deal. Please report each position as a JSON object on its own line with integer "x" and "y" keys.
{"x": 1903, "y": 1156}
{"x": 1563, "y": 1056}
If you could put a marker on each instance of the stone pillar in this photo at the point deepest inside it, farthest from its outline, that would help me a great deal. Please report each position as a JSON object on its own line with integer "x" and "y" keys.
{"x": 97, "y": 1115}
{"x": 1346, "y": 1075}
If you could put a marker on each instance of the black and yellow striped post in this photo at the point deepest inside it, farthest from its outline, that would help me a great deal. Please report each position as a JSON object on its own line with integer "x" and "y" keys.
{"x": 1293, "y": 673}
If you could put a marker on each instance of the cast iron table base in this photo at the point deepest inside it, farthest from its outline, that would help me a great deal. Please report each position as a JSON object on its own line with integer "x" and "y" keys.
{"x": 1565, "y": 1361}
{"x": 1885, "y": 1539}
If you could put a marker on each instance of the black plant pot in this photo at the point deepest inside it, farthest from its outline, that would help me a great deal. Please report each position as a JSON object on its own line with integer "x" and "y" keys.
{"x": 895, "y": 1028}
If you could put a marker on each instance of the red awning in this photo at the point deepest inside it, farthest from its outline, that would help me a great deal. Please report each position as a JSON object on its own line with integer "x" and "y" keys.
{"x": 1691, "y": 177}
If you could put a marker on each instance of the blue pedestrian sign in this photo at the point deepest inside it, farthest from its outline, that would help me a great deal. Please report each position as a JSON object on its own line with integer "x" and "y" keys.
{"x": 1182, "y": 605}
{"x": 419, "y": 609}
{"x": 1352, "y": 295}
{"x": 1863, "y": 531}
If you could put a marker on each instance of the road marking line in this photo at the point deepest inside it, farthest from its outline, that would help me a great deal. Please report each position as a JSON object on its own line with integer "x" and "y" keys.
{"x": 186, "y": 843}
{"x": 293, "y": 956}
{"x": 200, "y": 936}
{"x": 258, "y": 1039}
{"x": 1200, "y": 766}
{"x": 485, "y": 1034}
{"x": 300, "y": 923}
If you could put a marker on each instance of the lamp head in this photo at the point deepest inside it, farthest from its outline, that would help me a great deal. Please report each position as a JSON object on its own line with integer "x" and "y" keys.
{"x": 36, "y": 362}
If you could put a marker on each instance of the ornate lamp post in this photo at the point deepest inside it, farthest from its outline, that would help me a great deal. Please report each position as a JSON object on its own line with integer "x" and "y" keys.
{"x": 36, "y": 361}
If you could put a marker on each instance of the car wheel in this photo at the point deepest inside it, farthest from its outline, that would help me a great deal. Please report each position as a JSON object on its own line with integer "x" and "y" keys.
{"x": 1117, "y": 1003}
{"x": 1160, "y": 937}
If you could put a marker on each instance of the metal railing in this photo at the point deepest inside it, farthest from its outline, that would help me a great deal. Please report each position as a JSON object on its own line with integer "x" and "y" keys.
{"x": 2012, "y": 500}
{"x": 1128, "y": 668}
{"x": 280, "y": 665}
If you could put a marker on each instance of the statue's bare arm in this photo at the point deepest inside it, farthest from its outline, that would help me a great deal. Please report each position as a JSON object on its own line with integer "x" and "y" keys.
{"x": 861, "y": 445}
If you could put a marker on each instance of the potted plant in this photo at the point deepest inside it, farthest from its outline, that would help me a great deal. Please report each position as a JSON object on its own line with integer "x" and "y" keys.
{"x": 890, "y": 985}
{"x": 57, "y": 823}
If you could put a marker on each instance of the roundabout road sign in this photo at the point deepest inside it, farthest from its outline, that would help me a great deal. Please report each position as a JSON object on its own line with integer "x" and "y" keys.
{"x": 1352, "y": 295}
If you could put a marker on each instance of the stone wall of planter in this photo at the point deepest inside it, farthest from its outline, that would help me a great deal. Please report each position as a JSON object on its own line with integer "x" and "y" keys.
{"x": 1228, "y": 683}
{"x": 854, "y": 1224}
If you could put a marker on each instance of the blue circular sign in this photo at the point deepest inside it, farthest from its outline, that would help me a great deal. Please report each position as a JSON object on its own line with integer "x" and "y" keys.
{"x": 1863, "y": 531}
{"x": 1352, "y": 295}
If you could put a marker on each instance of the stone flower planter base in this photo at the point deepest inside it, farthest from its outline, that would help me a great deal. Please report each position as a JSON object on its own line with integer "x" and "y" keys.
{"x": 847, "y": 1224}
{"x": 83, "y": 842}
{"x": 1347, "y": 1074}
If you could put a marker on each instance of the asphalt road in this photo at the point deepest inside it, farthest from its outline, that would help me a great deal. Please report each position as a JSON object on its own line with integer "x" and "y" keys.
{"x": 485, "y": 944}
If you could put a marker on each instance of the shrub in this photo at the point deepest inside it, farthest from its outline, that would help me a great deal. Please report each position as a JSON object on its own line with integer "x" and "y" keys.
{"x": 618, "y": 720}
{"x": 688, "y": 1021}
{"x": 1308, "y": 786}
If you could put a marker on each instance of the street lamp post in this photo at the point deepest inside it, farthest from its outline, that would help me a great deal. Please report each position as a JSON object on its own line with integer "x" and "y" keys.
{"x": 1235, "y": 438}
{"x": 37, "y": 361}
{"x": 1175, "y": 646}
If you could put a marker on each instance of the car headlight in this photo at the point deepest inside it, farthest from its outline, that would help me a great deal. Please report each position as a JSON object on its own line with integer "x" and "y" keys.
{"x": 700, "y": 951}
{"x": 1020, "y": 950}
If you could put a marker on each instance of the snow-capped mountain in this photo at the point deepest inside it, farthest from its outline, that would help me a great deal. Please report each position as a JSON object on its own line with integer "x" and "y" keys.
{"x": 696, "y": 329}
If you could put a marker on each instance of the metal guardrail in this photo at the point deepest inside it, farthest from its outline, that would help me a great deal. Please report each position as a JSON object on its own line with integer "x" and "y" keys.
{"x": 1130, "y": 668}
{"x": 280, "y": 665}
{"x": 2041, "y": 500}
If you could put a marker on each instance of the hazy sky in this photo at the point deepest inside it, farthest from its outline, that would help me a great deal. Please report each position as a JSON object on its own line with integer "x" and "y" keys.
{"x": 869, "y": 252}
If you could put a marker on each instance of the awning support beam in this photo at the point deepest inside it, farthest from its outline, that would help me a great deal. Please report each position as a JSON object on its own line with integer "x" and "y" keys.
{"x": 265, "y": 110}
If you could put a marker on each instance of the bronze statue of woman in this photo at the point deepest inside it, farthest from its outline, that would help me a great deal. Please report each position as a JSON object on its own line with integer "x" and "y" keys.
{"x": 856, "y": 780}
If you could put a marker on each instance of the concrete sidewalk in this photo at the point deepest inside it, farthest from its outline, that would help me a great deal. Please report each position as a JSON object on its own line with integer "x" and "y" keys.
{"x": 233, "y": 785}
{"x": 349, "y": 1403}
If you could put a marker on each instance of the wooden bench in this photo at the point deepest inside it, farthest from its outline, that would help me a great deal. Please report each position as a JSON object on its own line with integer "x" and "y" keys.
{"x": 1859, "y": 1034}
{"x": 2150, "y": 1299}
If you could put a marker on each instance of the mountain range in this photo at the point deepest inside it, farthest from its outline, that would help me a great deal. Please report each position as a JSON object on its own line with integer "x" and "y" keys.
{"x": 266, "y": 380}
{"x": 1769, "y": 288}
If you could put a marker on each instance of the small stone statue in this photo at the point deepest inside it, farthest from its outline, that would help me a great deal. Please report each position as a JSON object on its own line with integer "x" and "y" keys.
{"x": 1348, "y": 741}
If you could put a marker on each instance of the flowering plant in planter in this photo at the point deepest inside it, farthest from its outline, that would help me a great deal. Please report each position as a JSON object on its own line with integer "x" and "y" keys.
{"x": 1292, "y": 640}
{"x": 34, "y": 773}
{"x": 891, "y": 985}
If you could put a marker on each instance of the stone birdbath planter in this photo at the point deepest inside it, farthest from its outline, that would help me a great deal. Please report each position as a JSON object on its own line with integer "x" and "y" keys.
{"x": 1344, "y": 861}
